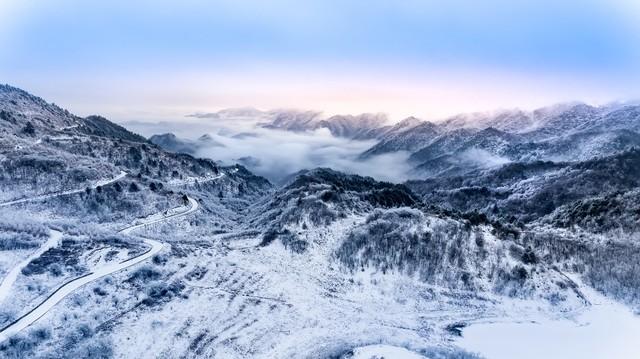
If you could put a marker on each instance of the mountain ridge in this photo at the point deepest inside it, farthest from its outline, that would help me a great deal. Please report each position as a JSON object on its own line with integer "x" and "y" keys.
{"x": 322, "y": 263}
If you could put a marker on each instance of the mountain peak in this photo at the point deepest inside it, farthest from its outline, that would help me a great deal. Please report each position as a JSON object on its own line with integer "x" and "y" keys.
{"x": 410, "y": 121}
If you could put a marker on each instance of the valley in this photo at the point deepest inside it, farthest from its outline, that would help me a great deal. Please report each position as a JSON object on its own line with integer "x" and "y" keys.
{"x": 114, "y": 246}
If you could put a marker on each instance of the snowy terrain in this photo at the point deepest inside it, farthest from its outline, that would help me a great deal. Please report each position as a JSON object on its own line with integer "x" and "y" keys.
{"x": 606, "y": 329}
{"x": 113, "y": 247}
{"x": 12, "y": 275}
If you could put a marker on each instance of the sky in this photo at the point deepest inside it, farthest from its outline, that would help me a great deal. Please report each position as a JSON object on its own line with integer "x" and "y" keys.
{"x": 160, "y": 60}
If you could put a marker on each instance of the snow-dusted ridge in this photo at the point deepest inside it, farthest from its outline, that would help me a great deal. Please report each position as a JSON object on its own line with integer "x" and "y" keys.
{"x": 99, "y": 183}
{"x": 327, "y": 264}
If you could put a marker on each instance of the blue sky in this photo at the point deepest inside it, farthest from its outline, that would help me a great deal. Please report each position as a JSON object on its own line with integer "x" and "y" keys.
{"x": 158, "y": 59}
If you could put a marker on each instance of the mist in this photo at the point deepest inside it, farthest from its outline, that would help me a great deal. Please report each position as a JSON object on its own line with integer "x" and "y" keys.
{"x": 236, "y": 136}
{"x": 276, "y": 154}
{"x": 482, "y": 158}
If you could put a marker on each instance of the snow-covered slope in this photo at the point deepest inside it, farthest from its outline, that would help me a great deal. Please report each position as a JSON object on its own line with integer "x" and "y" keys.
{"x": 363, "y": 126}
{"x": 18, "y": 109}
{"x": 567, "y": 132}
{"x": 405, "y": 139}
{"x": 328, "y": 265}
{"x": 172, "y": 143}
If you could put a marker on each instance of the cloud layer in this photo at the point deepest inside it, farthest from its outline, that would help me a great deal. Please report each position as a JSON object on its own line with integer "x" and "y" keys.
{"x": 276, "y": 154}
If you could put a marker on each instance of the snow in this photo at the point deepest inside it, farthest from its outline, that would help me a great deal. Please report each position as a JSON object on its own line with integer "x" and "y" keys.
{"x": 42, "y": 309}
{"x": 10, "y": 278}
{"x": 176, "y": 212}
{"x": 270, "y": 303}
{"x": 606, "y": 329}
{"x": 104, "y": 182}
{"x": 236, "y": 298}
{"x": 97, "y": 273}
{"x": 381, "y": 351}
{"x": 191, "y": 180}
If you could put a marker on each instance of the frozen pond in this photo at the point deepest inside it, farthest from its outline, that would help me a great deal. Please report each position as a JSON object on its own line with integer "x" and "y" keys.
{"x": 602, "y": 331}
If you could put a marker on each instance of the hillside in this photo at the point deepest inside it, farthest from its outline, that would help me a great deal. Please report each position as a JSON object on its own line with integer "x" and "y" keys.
{"x": 114, "y": 246}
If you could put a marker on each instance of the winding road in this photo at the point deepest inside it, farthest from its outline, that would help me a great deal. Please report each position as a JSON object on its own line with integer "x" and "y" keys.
{"x": 120, "y": 176}
{"x": 193, "y": 206}
{"x": 10, "y": 278}
{"x": 59, "y": 294}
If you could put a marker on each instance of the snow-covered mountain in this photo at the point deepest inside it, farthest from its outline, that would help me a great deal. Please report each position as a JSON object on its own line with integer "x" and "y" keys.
{"x": 513, "y": 121}
{"x": 405, "y": 137}
{"x": 531, "y": 190}
{"x": 571, "y": 132}
{"x": 363, "y": 126}
{"x": 50, "y": 148}
{"x": 172, "y": 143}
{"x": 19, "y": 109}
{"x": 112, "y": 246}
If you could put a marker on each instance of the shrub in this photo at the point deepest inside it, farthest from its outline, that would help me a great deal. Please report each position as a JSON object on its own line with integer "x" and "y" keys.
{"x": 29, "y": 129}
{"x": 99, "y": 291}
{"x": 159, "y": 259}
{"x": 162, "y": 292}
{"x": 144, "y": 275}
{"x": 529, "y": 256}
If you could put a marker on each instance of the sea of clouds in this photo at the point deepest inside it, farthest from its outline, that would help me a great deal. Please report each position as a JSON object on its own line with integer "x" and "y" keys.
{"x": 275, "y": 154}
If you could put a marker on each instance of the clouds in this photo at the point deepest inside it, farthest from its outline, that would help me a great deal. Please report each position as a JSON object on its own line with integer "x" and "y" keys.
{"x": 237, "y": 137}
{"x": 276, "y": 154}
{"x": 476, "y": 157}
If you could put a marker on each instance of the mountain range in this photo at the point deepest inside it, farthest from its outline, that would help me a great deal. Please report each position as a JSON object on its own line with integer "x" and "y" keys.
{"x": 466, "y": 142}
{"x": 201, "y": 259}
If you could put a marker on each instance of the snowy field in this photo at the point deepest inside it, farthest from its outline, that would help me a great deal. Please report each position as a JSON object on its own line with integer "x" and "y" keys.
{"x": 111, "y": 247}
{"x": 606, "y": 329}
